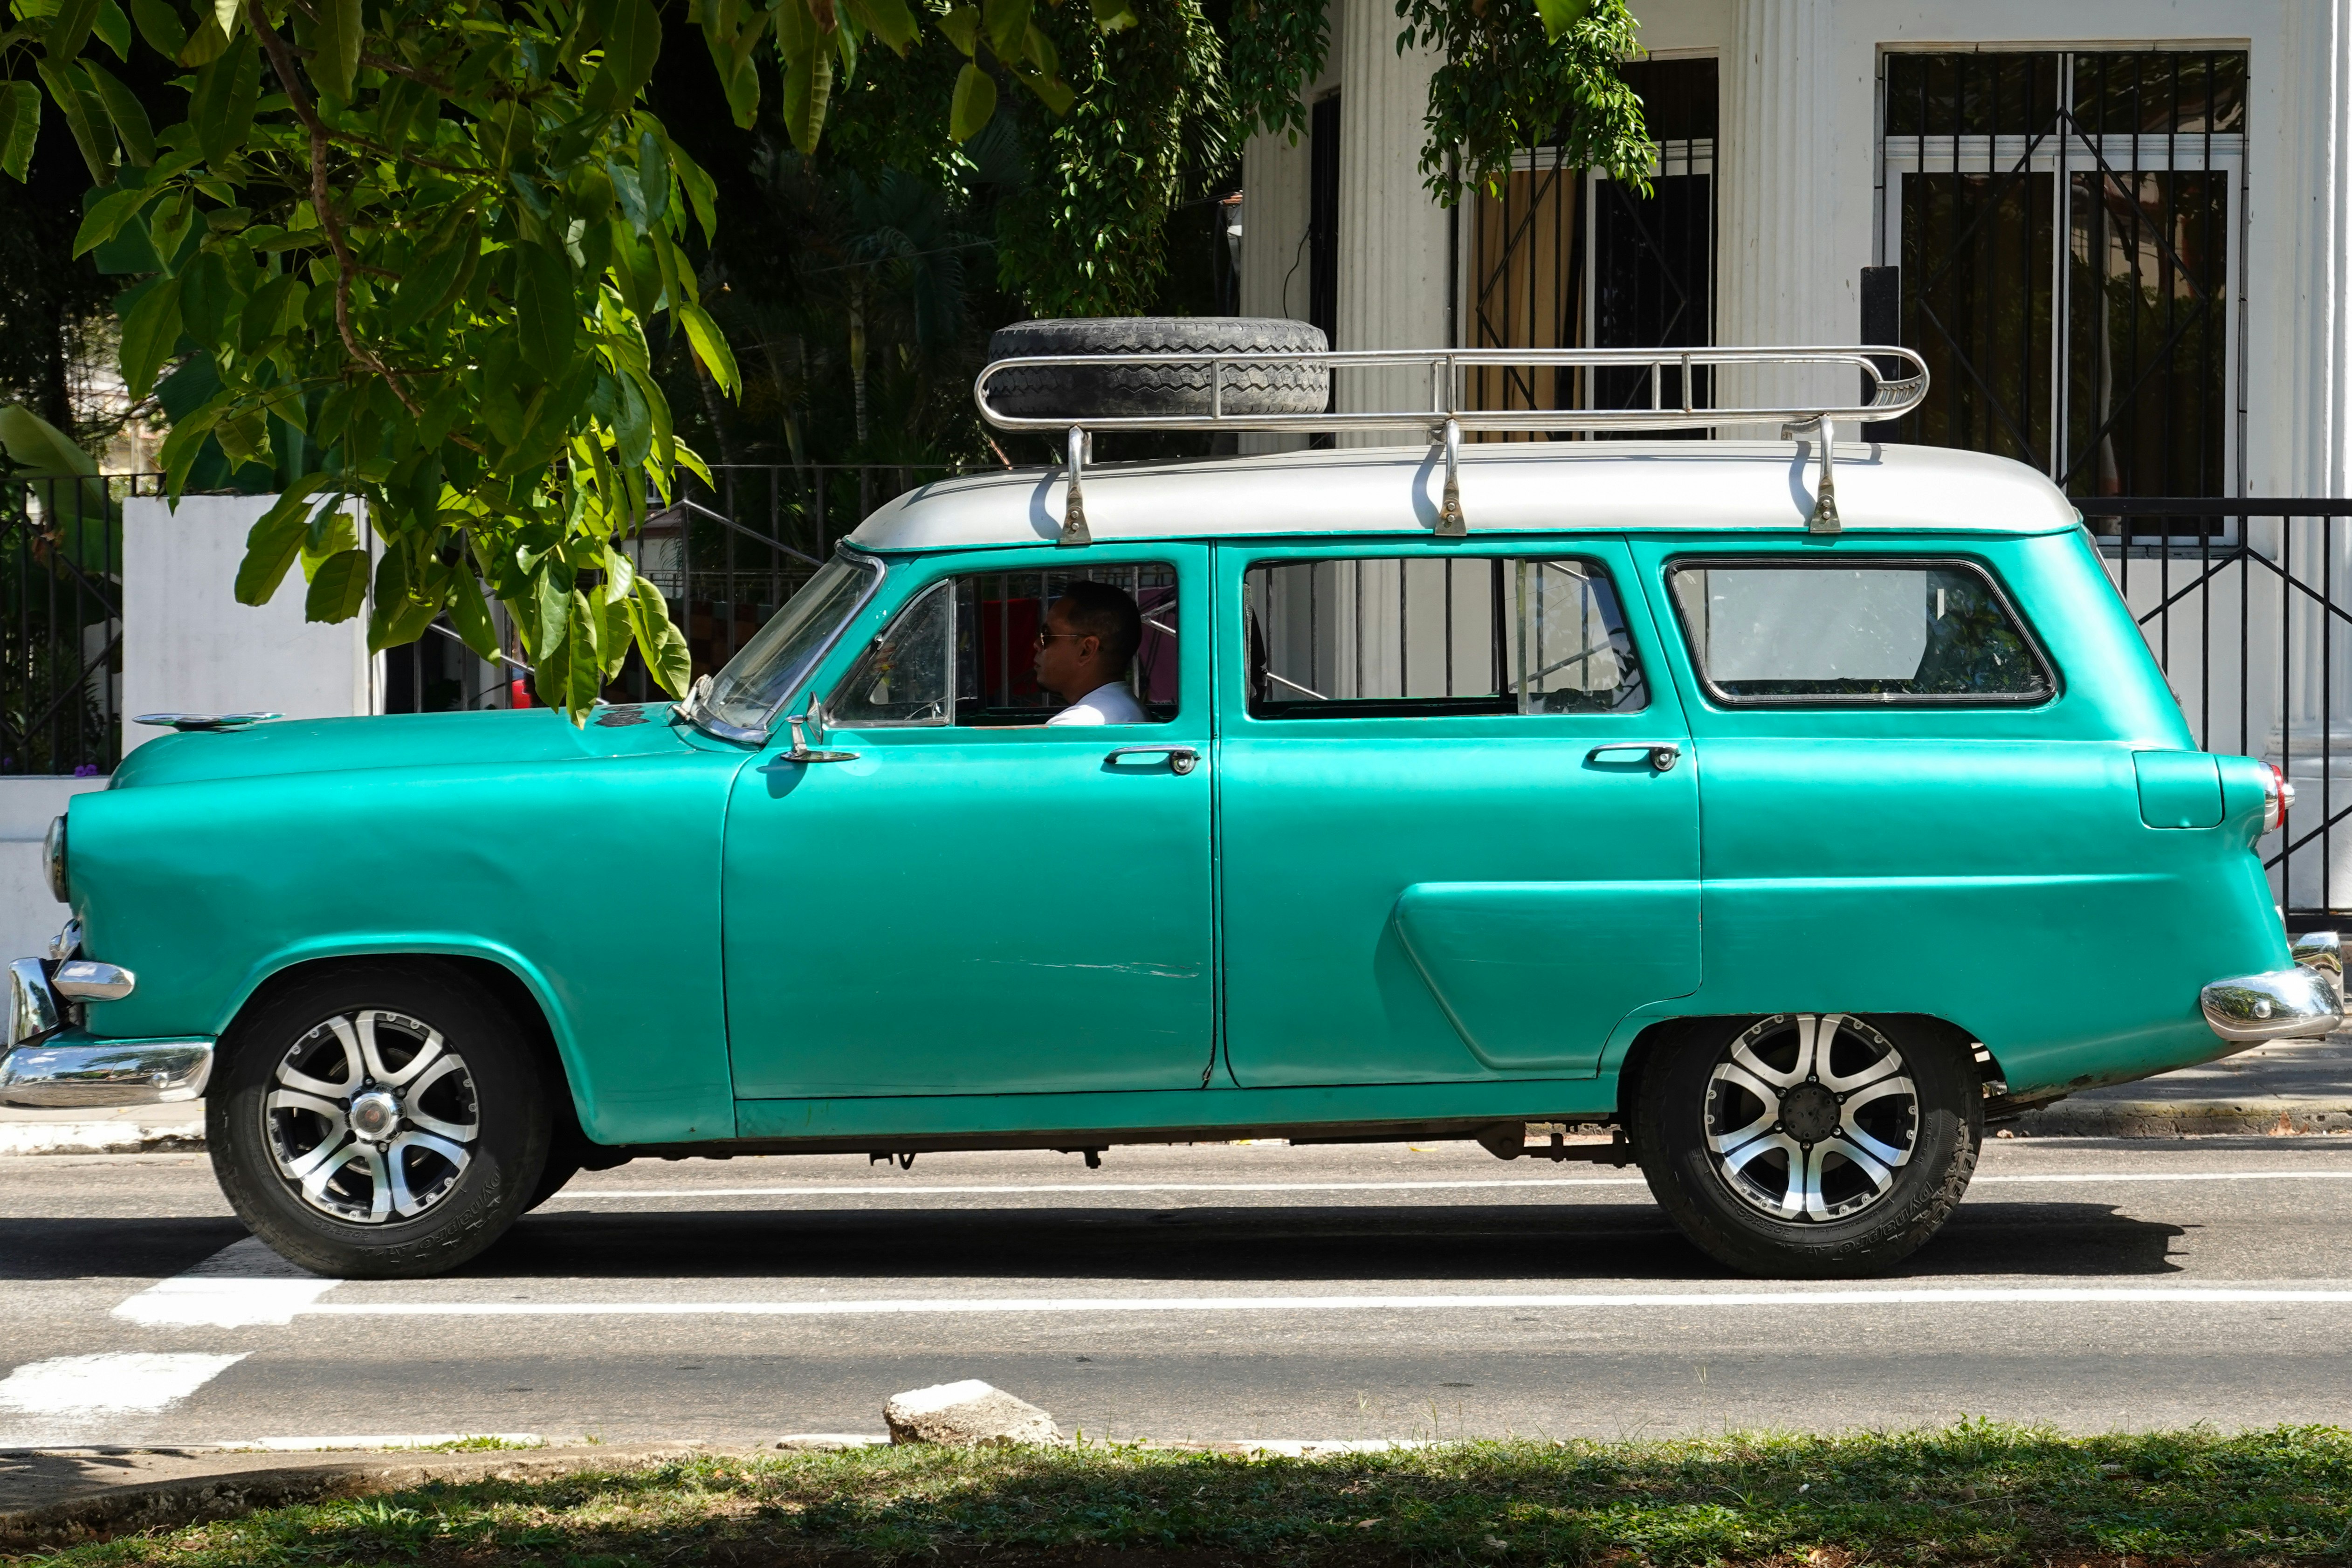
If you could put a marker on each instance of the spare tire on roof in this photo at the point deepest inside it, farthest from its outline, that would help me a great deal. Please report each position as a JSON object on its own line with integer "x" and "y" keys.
{"x": 1085, "y": 391}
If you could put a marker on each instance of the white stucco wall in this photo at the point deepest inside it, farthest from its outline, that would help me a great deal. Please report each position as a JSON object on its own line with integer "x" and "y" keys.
{"x": 30, "y": 916}
{"x": 188, "y": 647}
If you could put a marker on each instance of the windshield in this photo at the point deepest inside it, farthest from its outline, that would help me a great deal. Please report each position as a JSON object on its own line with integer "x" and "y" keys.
{"x": 756, "y": 681}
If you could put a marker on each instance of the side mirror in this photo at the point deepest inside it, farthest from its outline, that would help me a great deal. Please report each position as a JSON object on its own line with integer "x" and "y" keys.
{"x": 816, "y": 718}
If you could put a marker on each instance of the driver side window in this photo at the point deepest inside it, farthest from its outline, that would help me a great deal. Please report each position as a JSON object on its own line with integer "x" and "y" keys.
{"x": 961, "y": 651}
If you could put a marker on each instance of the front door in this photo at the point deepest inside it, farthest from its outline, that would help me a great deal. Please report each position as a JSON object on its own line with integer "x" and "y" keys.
{"x": 1458, "y": 812}
{"x": 980, "y": 902}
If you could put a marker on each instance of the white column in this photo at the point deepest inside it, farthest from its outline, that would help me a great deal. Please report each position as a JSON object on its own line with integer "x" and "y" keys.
{"x": 1781, "y": 275}
{"x": 2309, "y": 446}
{"x": 1393, "y": 232}
{"x": 1276, "y": 180}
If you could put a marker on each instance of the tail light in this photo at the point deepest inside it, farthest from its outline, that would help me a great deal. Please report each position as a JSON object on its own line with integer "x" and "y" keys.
{"x": 2277, "y": 796}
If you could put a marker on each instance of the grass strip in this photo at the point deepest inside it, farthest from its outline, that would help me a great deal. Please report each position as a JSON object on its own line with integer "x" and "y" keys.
{"x": 1979, "y": 1492}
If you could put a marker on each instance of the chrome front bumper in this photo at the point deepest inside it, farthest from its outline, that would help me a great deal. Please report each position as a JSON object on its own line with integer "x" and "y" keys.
{"x": 2286, "y": 1003}
{"x": 48, "y": 1063}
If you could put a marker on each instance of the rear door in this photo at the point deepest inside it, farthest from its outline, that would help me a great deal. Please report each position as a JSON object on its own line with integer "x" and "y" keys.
{"x": 1458, "y": 817}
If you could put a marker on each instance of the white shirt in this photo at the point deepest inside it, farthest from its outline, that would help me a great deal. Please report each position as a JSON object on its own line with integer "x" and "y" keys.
{"x": 1107, "y": 704}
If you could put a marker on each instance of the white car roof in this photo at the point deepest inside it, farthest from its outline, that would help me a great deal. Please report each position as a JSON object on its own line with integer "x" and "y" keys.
{"x": 1506, "y": 488}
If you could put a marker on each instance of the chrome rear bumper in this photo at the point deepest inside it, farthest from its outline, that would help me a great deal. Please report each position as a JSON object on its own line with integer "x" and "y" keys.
{"x": 47, "y": 1064}
{"x": 2286, "y": 1003}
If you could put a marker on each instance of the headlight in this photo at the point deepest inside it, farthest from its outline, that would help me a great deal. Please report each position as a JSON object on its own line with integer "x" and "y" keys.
{"x": 53, "y": 856}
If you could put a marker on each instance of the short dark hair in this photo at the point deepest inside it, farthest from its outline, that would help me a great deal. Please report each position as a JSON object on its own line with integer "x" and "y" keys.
{"x": 1100, "y": 610}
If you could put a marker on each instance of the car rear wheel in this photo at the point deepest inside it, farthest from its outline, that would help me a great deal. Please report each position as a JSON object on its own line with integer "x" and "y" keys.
{"x": 1808, "y": 1145}
{"x": 381, "y": 1123}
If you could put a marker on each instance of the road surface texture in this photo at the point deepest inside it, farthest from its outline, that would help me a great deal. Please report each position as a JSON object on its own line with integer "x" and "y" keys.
{"x": 1203, "y": 1292}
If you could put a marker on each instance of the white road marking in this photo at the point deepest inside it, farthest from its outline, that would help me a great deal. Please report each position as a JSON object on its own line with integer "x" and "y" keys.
{"x": 244, "y": 1285}
{"x": 591, "y": 1194}
{"x": 108, "y": 1383}
{"x": 951, "y": 1306}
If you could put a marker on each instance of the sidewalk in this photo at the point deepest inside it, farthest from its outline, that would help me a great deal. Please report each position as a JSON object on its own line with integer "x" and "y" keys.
{"x": 2292, "y": 1086}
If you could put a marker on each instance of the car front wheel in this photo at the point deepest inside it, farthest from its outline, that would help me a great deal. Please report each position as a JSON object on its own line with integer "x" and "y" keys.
{"x": 381, "y": 1123}
{"x": 1808, "y": 1145}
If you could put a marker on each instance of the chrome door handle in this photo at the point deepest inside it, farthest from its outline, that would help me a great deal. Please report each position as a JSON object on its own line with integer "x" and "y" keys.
{"x": 1664, "y": 755}
{"x": 1180, "y": 759}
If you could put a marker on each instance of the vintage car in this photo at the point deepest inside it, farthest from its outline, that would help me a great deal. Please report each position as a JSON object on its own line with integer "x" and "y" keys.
{"x": 1482, "y": 791}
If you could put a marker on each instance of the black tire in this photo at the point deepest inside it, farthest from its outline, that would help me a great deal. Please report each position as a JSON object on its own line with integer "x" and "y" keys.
{"x": 562, "y": 1164}
{"x": 1735, "y": 1197}
{"x": 1055, "y": 391}
{"x": 460, "y": 1079}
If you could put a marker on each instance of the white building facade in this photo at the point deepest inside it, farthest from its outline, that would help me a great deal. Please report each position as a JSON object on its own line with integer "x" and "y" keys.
{"x": 2119, "y": 232}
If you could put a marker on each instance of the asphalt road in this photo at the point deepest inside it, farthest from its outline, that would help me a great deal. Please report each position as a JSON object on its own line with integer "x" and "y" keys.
{"x": 1206, "y": 1292}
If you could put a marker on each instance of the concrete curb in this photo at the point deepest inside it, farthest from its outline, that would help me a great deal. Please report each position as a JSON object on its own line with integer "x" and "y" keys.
{"x": 215, "y": 1492}
{"x": 2180, "y": 1118}
{"x": 100, "y": 1138}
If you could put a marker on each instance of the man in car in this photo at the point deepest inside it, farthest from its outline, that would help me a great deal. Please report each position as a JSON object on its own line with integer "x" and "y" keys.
{"x": 1088, "y": 640}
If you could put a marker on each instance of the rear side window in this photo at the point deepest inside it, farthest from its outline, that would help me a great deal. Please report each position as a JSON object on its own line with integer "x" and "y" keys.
{"x": 1430, "y": 637}
{"x": 1774, "y": 633}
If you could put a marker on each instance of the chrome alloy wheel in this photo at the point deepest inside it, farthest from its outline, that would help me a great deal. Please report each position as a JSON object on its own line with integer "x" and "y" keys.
{"x": 372, "y": 1117}
{"x": 1808, "y": 1115}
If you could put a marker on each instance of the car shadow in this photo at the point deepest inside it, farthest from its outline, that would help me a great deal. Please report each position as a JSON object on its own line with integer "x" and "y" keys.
{"x": 1286, "y": 1243}
{"x": 1276, "y": 1244}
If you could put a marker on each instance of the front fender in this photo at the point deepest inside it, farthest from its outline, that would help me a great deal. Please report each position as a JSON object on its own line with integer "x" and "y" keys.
{"x": 593, "y": 881}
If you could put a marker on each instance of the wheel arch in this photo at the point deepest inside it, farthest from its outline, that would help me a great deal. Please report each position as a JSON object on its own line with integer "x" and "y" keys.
{"x": 515, "y": 983}
{"x": 1663, "y": 1033}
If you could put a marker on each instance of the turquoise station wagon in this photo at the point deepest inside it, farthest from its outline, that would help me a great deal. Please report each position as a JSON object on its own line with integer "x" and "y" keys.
{"x": 1469, "y": 794}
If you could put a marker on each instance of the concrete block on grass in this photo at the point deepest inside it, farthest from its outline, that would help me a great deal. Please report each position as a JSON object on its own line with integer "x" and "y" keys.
{"x": 967, "y": 1413}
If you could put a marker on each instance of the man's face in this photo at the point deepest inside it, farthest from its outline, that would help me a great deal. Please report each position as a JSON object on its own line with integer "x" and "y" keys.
{"x": 1068, "y": 664}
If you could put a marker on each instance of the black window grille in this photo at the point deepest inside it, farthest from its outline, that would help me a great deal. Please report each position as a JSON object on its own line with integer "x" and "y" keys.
{"x": 1566, "y": 258}
{"x": 2068, "y": 227}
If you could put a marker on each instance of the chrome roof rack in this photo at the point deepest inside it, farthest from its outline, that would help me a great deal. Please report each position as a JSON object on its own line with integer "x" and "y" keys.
{"x": 1446, "y": 418}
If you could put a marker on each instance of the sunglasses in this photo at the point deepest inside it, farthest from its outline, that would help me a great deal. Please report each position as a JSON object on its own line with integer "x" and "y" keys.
{"x": 1044, "y": 638}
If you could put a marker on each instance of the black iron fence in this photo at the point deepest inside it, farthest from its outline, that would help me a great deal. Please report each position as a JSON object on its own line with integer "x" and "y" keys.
{"x": 61, "y": 623}
{"x": 2246, "y": 605}
{"x": 727, "y": 556}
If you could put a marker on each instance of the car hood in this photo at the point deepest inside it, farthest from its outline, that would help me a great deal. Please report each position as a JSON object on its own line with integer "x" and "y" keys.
{"x": 402, "y": 741}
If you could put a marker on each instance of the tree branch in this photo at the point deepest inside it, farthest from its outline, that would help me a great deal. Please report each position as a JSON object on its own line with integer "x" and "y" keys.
{"x": 282, "y": 61}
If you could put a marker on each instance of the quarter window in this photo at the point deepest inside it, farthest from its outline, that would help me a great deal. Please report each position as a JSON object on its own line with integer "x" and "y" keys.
{"x": 964, "y": 651}
{"x": 1420, "y": 636}
{"x": 1775, "y": 633}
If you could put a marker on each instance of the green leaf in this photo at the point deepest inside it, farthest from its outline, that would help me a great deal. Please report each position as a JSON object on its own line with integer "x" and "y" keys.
{"x": 547, "y": 312}
{"x": 20, "y": 127}
{"x": 471, "y": 616}
{"x": 633, "y": 425}
{"x": 69, "y": 29}
{"x": 808, "y": 91}
{"x": 1559, "y": 15}
{"x": 337, "y": 40}
{"x": 710, "y": 346}
{"x": 429, "y": 282}
{"x": 130, "y": 116}
{"x": 1052, "y": 91}
{"x": 661, "y": 644}
{"x": 974, "y": 104}
{"x": 274, "y": 540}
{"x": 205, "y": 45}
{"x": 701, "y": 191}
{"x": 221, "y": 108}
{"x": 74, "y": 103}
{"x": 554, "y": 606}
{"x": 961, "y": 25}
{"x": 210, "y": 302}
{"x": 1008, "y": 23}
{"x": 226, "y": 14}
{"x": 632, "y": 44}
{"x": 112, "y": 28}
{"x": 587, "y": 657}
{"x": 397, "y": 616}
{"x": 160, "y": 25}
{"x": 888, "y": 20}
{"x": 149, "y": 333}
{"x": 1111, "y": 15}
{"x": 1041, "y": 53}
{"x": 339, "y": 589}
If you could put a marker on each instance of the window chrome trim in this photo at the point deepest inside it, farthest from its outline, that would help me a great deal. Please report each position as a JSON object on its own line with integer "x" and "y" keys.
{"x": 2052, "y": 689}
